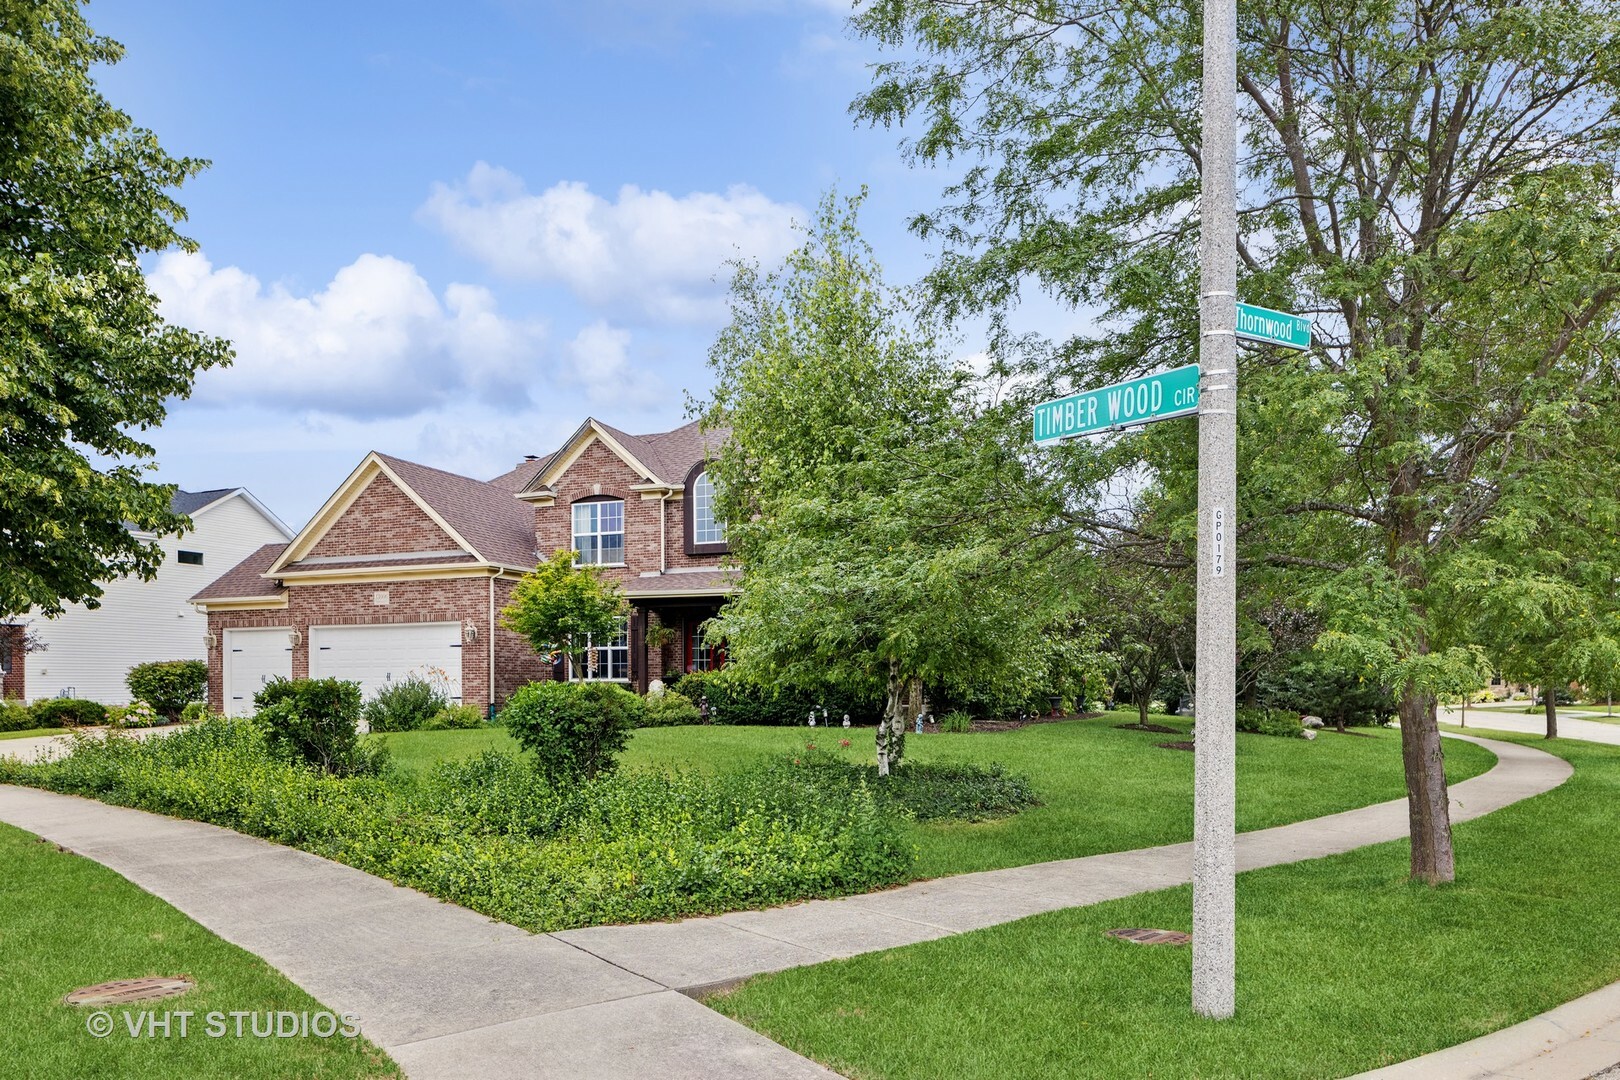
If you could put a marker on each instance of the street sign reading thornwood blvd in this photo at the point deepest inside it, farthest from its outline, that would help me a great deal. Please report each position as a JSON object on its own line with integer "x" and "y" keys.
{"x": 1163, "y": 396}
{"x": 1273, "y": 327}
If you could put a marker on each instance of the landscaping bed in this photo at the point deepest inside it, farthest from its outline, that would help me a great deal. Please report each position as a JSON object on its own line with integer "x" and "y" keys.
{"x": 70, "y": 923}
{"x": 1343, "y": 965}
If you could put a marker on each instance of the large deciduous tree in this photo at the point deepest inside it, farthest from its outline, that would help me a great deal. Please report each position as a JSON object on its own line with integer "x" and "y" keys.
{"x": 1433, "y": 183}
{"x": 86, "y": 362}
{"x": 862, "y": 502}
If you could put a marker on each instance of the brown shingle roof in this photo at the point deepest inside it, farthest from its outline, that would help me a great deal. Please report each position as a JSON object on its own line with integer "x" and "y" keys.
{"x": 518, "y": 479}
{"x": 486, "y": 515}
{"x": 244, "y": 580}
{"x": 669, "y": 455}
{"x": 701, "y": 582}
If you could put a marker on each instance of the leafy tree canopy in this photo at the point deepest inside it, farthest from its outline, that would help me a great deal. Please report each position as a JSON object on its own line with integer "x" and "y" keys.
{"x": 559, "y": 606}
{"x": 87, "y": 362}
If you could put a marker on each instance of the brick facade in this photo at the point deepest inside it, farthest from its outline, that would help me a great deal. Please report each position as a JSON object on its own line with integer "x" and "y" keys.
{"x": 14, "y": 683}
{"x": 463, "y": 600}
{"x": 382, "y": 521}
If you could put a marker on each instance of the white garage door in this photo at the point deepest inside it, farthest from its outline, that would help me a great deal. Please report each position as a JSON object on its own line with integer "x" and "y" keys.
{"x": 375, "y": 656}
{"x": 253, "y": 658}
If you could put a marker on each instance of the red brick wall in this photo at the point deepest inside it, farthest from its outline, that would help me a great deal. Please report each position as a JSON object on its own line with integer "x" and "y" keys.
{"x": 599, "y": 467}
{"x": 14, "y": 684}
{"x": 382, "y": 520}
{"x": 464, "y": 600}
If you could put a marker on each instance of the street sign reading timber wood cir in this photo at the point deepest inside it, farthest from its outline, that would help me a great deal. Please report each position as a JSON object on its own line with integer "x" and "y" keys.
{"x": 1163, "y": 396}
{"x": 1273, "y": 327}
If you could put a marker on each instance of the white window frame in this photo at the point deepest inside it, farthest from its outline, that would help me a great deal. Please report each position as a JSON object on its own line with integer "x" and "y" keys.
{"x": 593, "y": 557}
{"x": 712, "y": 531}
{"x": 606, "y": 657}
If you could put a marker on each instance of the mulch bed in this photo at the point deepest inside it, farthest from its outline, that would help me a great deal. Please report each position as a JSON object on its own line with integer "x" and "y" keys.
{"x": 1174, "y": 745}
{"x": 1158, "y": 728}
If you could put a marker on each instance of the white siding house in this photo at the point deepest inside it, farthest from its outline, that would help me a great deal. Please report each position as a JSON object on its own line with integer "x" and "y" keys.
{"x": 88, "y": 652}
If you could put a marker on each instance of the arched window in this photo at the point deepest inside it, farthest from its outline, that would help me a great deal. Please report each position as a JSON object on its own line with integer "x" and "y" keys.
{"x": 599, "y": 532}
{"x": 705, "y": 532}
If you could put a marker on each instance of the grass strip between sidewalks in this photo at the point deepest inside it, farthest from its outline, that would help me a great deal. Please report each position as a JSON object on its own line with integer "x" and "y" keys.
{"x": 1343, "y": 965}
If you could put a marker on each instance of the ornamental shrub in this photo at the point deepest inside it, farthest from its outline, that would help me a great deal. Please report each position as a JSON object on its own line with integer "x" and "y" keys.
{"x": 453, "y": 717}
{"x": 1269, "y": 722}
{"x": 138, "y": 714}
{"x": 956, "y": 722}
{"x": 575, "y": 730}
{"x": 316, "y": 722}
{"x": 67, "y": 712}
{"x": 15, "y": 716}
{"x": 924, "y": 791}
{"x": 735, "y": 700}
{"x": 405, "y": 705}
{"x": 668, "y": 709}
{"x": 193, "y": 712}
{"x": 168, "y": 685}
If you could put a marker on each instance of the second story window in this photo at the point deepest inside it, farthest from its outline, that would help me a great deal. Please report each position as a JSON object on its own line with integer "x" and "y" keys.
{"x": 706, "y": 527}
{"x": 599, "y": 532}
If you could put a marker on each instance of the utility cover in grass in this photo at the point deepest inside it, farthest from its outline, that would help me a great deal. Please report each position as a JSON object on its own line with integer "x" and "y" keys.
{"x": 122, "y": 991}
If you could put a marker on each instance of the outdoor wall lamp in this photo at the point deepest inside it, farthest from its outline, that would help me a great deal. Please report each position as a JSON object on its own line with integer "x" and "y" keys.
{"x": 295, "y": 638}
{"x": 469, "y": 633}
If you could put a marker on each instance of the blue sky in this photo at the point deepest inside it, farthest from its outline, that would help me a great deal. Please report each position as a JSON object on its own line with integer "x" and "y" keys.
{"x": 450, "y": 232}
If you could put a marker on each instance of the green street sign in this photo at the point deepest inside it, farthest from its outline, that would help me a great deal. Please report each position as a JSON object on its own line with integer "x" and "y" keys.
{"x": 1273, "y": 327}
{"x": 1163, "y": 396}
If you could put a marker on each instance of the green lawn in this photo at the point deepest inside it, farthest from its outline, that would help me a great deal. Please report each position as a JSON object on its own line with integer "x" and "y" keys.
{"x": 1342, "y": 964}
{"x": 69, "y": 922}
{"x": 32, "y": 733}
{"x": 1103, "y": 789}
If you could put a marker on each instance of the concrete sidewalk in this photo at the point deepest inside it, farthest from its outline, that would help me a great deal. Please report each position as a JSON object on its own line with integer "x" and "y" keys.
{"x": 450, "y": 993}
{"x": 1570, "y": 724}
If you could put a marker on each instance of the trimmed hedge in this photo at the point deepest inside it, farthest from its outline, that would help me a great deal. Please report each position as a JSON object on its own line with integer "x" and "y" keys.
{"x": 316, "y": 722}
{"x": 669, "y": 709}
{"x": 15, "y": 716}
{"x": 168, "y": 685}
{"x": 575, "y": 730}
{"x": 733, "y": 701}
{"x": 67, "y": 712}
{"x": 1269, "y": 722}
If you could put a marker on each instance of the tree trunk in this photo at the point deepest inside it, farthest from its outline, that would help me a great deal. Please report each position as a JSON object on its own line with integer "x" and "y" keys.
{"x": 1549, "y": 702}
{"x": 1428, "y": 806}
{"x": 1142, "y": 710}
{"x": 891, "y": 725}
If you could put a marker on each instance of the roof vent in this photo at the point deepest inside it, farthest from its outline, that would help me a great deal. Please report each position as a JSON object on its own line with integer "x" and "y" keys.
{"x": 531, "y": 457}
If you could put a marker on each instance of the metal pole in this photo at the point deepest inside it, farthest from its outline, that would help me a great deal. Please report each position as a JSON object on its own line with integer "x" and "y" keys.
{"x": 1214, "y": 783}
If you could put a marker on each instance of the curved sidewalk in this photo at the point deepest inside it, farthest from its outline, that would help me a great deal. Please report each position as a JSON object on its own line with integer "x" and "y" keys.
{"x": 450, "y": 993}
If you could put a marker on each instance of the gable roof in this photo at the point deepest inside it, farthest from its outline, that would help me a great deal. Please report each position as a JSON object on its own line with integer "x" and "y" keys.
{"x": 663, "y": 458}
{"x": 246, "y": 580}
{"x": 484, "y": 514}
{"x": 189, "y": 502}
{"x": 482, "y": 519}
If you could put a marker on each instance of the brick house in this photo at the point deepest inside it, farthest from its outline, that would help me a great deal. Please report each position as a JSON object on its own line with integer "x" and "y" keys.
{"x": 405, "y": 568}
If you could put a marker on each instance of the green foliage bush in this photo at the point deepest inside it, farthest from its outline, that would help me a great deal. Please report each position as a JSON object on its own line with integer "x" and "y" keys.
{"x": 195, "y": 711}
{"x": 453, "y": 717}
{"x": 316, "y": 722}
{"x": 734, "y": 700}
{"x": 925, "y": 791}
{"x": 668, "y": 709}
{"x": 405, "y": 705}
{"x": 491, "y": 834}
{"x": 956, "y": 722}
{"x": 168, "y": 685}
{"x": 1317, "y": 684}
{"x": 575, "y": 730}
{"x": 67, "y": 712}
{"x": 15, "y": 716}
{"x": 1264, "y": 721}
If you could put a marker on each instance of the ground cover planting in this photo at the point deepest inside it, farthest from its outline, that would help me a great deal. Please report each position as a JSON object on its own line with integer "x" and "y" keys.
{"x": 1101, "y": 787}
{"x": 1343, "y": 965}
{"x": 70, "y": 923}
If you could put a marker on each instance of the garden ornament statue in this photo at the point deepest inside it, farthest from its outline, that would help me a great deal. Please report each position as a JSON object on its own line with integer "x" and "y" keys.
{"x": 703, "y": 709}
{"x": 920, "y": 722}
{"x": 812, "y": 718}
{"x": 846, "y": 719}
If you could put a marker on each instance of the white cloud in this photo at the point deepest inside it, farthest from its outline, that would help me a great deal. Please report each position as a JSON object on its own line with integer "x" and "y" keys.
{"x": 648, "y": 253}
{"x": 375, "y": 341}
{"x": 598, "y": 362}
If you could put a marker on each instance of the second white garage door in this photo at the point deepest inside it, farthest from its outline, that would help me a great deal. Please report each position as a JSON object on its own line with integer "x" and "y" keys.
{"x": 377, "y": 656}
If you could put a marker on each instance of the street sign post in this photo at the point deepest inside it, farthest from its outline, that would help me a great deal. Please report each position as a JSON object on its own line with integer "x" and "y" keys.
{"x": 1273, "y": 327}
{"x": 1161, "y": 396}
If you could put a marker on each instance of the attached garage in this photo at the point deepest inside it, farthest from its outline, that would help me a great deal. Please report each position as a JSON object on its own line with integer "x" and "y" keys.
{"x": 253, "y": 658}
{"x": 379, "y": 655}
